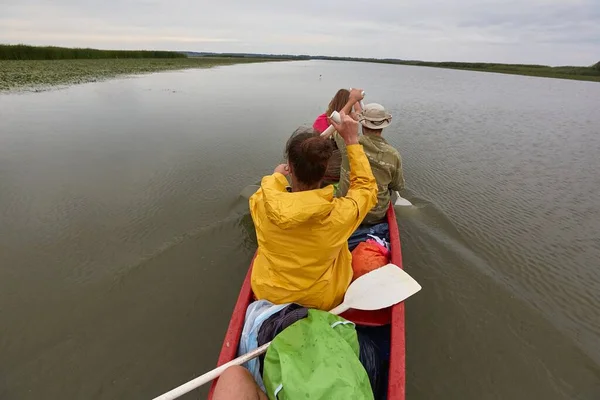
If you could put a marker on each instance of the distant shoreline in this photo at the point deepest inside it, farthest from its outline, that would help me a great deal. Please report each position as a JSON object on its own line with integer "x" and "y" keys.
{"x": 591, "y": 73}
{"x": 34, "y": 67}
{"x": 545, "y": 72}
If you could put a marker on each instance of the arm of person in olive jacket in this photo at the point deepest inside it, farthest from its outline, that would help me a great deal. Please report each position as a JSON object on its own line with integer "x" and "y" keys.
{"x": 356, "y": 110}
{"x": 344, "y": 182}
{"x": 354, "y": 101}
{"x": 397, "y": 182}
{"x": 362, "y": 193}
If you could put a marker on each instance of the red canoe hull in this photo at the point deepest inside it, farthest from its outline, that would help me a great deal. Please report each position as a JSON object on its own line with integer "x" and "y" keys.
{"x": 393, "y": 316}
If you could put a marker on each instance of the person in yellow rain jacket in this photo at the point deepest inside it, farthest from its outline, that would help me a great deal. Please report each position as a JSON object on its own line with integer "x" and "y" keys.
{"x": 303, "y": 254}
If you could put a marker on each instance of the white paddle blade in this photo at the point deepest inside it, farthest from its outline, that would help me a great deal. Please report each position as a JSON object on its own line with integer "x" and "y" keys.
{"x": 381, "y": 288}
{"x": 249, "y": 190}
{"x": 401, "y": 201}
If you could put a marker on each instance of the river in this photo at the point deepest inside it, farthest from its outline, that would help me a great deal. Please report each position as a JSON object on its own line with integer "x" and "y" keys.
{"x": 124, "y": 240}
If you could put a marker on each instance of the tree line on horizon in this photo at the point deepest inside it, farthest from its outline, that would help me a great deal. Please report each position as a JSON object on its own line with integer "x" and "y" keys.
{"x": 445, "y": 64}
{"x": 26, "y": 52}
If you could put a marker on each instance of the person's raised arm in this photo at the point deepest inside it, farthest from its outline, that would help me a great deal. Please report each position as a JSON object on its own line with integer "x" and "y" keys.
{"x": 362, "y": 193}
{"x": 356, "y": 95}
{"x": 357, "y": 106}
{"x": 344, "y": 182}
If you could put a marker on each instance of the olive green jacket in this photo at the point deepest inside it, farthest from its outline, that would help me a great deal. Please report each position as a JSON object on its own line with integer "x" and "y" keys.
{"x": 386, "y": 165}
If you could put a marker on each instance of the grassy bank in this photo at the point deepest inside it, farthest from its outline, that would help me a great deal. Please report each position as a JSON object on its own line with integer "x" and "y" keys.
{"x": 591, "y": 73}
{"x": 41, "y": 74}
{"x": 567, "y": 72}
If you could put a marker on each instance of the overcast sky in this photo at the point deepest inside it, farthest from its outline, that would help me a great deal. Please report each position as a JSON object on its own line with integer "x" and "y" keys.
{"x": 555, "y": 32}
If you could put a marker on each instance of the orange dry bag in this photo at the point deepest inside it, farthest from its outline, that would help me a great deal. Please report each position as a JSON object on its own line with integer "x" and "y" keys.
{"x": 368, "y": 256}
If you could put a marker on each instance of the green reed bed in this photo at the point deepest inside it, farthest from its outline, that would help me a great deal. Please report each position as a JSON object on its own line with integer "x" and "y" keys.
{"x": 26, "y": 52}
{"x": 40, "y": 74}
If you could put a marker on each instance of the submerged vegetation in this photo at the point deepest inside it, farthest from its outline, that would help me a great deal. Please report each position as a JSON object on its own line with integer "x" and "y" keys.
{"x": 40, "y": 74}
{"x": 36, "y": 68}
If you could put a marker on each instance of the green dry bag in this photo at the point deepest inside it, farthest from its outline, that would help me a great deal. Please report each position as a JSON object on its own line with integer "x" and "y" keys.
{"x": 316, "y": 358}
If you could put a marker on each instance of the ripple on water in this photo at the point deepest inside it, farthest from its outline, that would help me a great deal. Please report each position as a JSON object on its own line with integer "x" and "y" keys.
{"x": 525, "y": 199}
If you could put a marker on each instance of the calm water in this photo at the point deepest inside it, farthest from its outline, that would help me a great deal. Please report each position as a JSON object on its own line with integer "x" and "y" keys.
{"x": 124, "y": 241}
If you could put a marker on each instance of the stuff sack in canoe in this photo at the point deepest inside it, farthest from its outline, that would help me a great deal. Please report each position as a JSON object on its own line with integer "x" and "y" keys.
{"x": 316, "y": 358}
{"x": 368, "y": 256}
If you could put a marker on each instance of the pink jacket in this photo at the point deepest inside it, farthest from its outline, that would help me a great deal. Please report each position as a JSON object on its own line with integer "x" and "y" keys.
{"x": 321, "y": 123}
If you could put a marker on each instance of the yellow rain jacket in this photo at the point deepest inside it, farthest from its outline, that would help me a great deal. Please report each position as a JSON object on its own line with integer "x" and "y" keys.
{"x": 303, "y": 254}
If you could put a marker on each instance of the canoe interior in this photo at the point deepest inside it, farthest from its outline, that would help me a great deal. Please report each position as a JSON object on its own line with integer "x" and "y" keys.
{"x": 394, "y": 316}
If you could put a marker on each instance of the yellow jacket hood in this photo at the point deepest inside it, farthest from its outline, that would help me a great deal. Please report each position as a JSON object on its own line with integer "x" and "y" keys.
{"x": 288, "y": 210}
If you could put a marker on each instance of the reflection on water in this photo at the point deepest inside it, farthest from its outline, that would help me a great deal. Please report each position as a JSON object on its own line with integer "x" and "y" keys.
{"x": 124, "y": 240}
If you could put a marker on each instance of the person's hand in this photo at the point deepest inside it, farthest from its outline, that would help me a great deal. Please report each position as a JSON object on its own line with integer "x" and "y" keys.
{"x": 282, "y": 169}
{"x": 356, "y": 95}
{"x": 348, "y": 129}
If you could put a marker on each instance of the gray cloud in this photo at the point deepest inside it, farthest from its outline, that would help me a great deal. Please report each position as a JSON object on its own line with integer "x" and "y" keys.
{"x": 529, "y": 31}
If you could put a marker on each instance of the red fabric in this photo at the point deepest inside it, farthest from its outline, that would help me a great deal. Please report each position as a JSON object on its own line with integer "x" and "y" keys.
{"x": 368, "y": 256}
{"x": 321, "y": 123}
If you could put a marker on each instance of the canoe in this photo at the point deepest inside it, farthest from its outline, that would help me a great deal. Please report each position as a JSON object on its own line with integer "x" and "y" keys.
{"x": 392, "y": 317}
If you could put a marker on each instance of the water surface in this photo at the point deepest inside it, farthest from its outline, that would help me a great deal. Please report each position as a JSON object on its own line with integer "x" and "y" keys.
{"x": 124, "y": 241}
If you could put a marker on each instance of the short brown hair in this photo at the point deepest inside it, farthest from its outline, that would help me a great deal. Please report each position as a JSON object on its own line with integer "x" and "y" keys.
{"x": 308, "y": 153}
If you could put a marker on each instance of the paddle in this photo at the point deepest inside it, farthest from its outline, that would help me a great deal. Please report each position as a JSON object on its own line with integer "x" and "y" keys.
{"x": 375, "y": 290}
{"x": 249, "y": 190}
{"x": 401, "y": 201}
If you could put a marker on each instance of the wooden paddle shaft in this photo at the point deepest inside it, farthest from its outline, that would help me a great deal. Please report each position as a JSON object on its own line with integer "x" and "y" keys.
{"x": 211, "y": 375}
{"x": 215, "y": 373}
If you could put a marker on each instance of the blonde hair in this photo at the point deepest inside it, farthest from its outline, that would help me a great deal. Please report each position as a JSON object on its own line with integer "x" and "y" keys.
{"x": 339, "y": 101}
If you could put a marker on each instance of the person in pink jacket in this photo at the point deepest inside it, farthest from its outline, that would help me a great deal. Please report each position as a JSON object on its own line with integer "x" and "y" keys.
{"x": 344, "y": 100}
